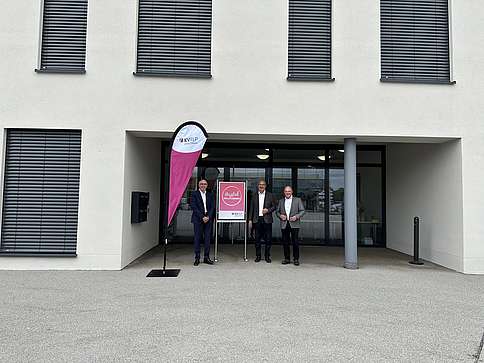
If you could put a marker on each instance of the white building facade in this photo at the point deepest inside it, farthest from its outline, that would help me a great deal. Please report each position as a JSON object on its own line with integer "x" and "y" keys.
{"x": 268, "y": 74}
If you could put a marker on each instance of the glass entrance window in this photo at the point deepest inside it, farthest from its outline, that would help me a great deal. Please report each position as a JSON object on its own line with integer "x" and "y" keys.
{"x": 181, "y": 226}
{"x": 252, "y": 176}
{"x": 369, "y": 206}
{"x": 336, "y": 202}
{"x": 310, "y": 188}
{"x": 317, "y": 177}
{"x": 280, "y": 178}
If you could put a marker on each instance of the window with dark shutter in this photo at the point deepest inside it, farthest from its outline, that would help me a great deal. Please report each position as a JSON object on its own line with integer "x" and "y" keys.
{"x": 41, "y": 192}
{"x": 174, "y": 38}
{"x": 415, "y": 41}
{"x": 64, "y": 28}
{"x": 309, "y": 56}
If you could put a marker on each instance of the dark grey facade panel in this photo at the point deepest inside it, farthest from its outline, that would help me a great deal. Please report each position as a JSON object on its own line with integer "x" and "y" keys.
{"x": 174, "y": 37}
{"x": 64, "y": 29}
{"x": 41, "y": 192}
{"x": 309, "y": 56}
{"x": 415, "y": 40}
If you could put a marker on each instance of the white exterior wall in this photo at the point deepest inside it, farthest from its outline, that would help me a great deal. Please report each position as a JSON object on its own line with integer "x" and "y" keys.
{"x": 248, "y": 94}
{"x": 142, "y": 174}
{"x": 426, "y": 181}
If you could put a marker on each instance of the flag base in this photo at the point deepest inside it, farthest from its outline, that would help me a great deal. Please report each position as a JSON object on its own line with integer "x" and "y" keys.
{"x": 164, "y": 273}
{"x": 418, "y": 263}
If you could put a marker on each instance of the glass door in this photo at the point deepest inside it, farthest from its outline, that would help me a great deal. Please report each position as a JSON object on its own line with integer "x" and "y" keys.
{"x": 280, "y": 178}
{"x": 252, "y": 175}
{"x": 336, "y": 205}
{"x": 310, "y": 188}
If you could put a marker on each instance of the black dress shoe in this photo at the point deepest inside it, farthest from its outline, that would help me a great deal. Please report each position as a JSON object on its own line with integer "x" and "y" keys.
{"x": 208, "y": 261}
{"x": 257, "y": 259}
{"x": 197, "y": 262}
{"x": 296, "y": 262}
{"x": 268, "y": 260}
{"x": 286, "y": 262}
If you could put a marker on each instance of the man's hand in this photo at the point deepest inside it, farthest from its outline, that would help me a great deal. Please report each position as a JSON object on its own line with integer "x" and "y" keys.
{"x": 265, "y": 211}
{"x": 283, "y": 217}
{"x": 293, "y": 219}
{"x": 205, "y": 219}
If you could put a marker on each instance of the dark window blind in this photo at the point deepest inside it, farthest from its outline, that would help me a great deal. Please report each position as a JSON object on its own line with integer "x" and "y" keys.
{"x": 41, "y": 192}
{"x": 309, "y": 55}
{"x": 64, "y": 28}
{"x": 415, "y": 41}
{"x": 174, "y": 37}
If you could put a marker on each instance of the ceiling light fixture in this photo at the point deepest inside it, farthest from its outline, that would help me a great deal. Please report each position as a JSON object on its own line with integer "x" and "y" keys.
{"x": 204, "y": 155}
{"x": 322, "y": 157}
{"x": 263, "y": 156}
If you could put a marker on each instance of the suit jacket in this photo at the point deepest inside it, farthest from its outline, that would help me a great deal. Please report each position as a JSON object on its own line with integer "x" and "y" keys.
{"x": 198, "y": 211}
{"x": 297, "y": 210}
{"x": 269, "y": 203}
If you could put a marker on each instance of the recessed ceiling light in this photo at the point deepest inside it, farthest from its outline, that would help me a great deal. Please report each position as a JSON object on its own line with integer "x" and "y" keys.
{"x": 204, "y": 155}
{"x": 322, "y": 157}
{"x": 341, "y": 151}
{"x": 266, "y": 149}
{"x": 263, "y": 156}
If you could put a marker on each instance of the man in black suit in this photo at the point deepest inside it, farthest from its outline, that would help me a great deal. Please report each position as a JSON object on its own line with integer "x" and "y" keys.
{"x": 261, "y": 208}
{"x": 203, "y": 207}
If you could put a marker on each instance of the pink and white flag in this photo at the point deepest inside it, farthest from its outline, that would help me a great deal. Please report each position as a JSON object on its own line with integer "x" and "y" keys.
{"x": 187, "y": 145}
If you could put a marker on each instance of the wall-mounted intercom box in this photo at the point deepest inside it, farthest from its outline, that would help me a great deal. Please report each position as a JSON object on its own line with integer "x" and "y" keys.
{"x": 139, "y": 206}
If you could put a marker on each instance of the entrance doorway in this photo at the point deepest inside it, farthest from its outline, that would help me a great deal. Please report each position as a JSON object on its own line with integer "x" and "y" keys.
{"x": 316, "y": 176}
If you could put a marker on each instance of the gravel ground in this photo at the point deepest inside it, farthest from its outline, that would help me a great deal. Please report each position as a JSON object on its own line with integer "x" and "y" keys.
{"x": 236, "y": 311}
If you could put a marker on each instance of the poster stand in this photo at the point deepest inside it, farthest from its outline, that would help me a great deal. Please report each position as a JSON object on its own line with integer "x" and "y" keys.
{"x": 223, "y": 220}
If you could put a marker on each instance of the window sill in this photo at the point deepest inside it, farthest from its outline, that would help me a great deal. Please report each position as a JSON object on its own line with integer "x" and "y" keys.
{"x": 415, "y": 81}
{"x": 64, "y": 71}
{"x": 310, "y": 79}
{"x": 19, "y": 254}
{"x": 172, "y": 75}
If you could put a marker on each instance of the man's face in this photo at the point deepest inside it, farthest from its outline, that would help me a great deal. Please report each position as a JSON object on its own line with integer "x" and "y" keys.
{"x": 202, "y": 185}
{"x": 262, "y": 186}
{"x": 288, "y": 192}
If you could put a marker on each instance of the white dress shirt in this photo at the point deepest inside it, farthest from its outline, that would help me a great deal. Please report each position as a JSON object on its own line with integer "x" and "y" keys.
{"x": 204, "y": 198}
{"x": 287, "y": 206}
{"x": 261, "y": 202}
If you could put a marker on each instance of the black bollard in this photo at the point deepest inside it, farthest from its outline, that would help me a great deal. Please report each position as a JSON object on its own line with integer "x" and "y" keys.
{"x": 416, "y": 241}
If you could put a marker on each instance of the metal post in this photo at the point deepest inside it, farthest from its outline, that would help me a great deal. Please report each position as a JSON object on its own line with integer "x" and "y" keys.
{"x": 245, "y": 241}
{"x": 351, "y": 247}
{"x": 416, "y": 242}
{"x": 164, "y": 254}
{"x": 215, "y": 258}
{"x": 216, "y": 240}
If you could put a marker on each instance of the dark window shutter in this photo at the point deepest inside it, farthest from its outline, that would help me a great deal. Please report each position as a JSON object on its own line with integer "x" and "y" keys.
{"x": 309, "y": 55}
{"x": 64, "y": 28}
{"x": 174, "y": 37}
{"x": 41, "y": 192}
{"x": 415, "y": 41}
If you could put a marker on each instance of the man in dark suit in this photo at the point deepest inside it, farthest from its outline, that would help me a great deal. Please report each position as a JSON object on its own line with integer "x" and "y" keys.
{"x": 261, "y": 208}
{"x": 290, "y": 210}
{"x": 203, "y": 207}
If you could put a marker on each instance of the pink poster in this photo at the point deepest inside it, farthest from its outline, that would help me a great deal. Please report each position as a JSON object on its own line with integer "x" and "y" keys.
{"x": 231, "y": 201}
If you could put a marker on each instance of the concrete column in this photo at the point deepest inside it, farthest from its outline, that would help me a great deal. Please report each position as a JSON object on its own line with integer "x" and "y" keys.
{"x": 350, "y": 208}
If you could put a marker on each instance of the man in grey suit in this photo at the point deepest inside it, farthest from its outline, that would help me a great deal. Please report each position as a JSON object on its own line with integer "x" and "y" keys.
{"x": 262, "y": 205}
{"x": 290, "y": 210}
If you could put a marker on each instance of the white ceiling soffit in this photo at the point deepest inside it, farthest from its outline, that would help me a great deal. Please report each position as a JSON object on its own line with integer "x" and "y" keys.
{"x": 304, "y": 139}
